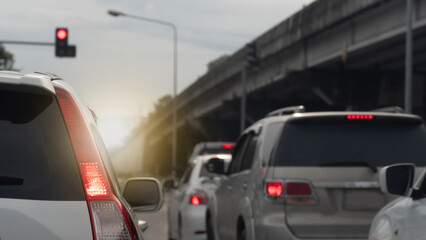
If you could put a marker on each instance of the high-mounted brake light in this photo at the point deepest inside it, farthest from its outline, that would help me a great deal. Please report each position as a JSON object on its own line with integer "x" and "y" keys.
{"x": 110, "y": 219}
{"x": 198, "y": 197}
{"x": 359, "y": 117}
{"x": 227, "y": 146}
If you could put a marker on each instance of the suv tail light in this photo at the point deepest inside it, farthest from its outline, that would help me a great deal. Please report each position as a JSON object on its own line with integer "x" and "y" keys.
{"x": 295, "y": 192}
{"x": 110, "y": 219}
{"x": 298, "y": 189}
{"x": 198, "y": 197}
{"x": 274, "y": 188}
{"x": 299, "y": 193}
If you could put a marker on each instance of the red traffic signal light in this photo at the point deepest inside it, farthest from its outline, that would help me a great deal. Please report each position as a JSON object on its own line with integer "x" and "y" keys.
{"x": 61, "y": 33}
{"x": 62, "y": 49}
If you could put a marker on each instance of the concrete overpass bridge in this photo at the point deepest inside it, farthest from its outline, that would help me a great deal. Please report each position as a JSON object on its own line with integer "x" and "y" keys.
{"x": 331, "y": 55}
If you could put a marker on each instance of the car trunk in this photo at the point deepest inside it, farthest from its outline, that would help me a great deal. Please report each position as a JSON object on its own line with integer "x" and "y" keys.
{"x": 339, "y": 160}
{"x": 35, "y": 219}
{"x": 41, "y": 194}
{"x": 347, "y": 198}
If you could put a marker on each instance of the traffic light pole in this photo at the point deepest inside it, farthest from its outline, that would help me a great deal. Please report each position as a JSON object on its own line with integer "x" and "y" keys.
{"x": 251, "y": 62}
{"x": 62, "y": 49}
{"x": 27, "y": 43}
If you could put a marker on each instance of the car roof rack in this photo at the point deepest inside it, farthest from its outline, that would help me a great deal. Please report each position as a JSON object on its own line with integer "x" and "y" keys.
{"x": 391, "y": 109}
{"x": 287, "y": 111}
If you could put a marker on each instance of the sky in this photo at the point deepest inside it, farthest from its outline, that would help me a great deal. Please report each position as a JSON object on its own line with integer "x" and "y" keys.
{"x": 124, "y": 65}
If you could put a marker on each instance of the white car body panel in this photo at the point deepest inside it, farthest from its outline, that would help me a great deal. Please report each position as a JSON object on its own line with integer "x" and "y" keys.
{"x": 403, "y": 219}
{"x": 36, "y": 219}
{"x": 192, "y": 217}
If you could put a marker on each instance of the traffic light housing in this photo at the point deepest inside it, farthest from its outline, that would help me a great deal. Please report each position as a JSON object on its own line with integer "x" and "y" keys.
{"x": 62, "y": 49}
{"x": 252, "y": 57}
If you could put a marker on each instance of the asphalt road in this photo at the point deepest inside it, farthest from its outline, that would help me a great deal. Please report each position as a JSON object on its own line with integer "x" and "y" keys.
{"x": 157, "y": 223}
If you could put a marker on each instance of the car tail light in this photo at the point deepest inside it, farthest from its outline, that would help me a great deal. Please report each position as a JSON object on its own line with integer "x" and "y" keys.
{"x": 299, "y": 193}
{"x": 110, "y": 219}
{"x": 274, "y": 188}
{"x": 298, "y": 189}
{"x": 227, "y": 146}
{"x": 295, "y": 192}
{"x": 195, "y": 200}
{"x": 198, "y": 197}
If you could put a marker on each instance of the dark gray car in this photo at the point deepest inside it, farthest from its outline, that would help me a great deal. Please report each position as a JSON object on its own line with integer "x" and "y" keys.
{"x": 311, "y": 175}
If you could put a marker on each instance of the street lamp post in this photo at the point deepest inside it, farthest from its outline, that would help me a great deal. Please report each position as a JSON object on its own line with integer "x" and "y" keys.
{"x": 116, "y": 13}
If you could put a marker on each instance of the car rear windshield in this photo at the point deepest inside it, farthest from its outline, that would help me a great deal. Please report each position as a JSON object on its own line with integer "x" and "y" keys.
{"x": 37, "y": 160}
{"x": 350, "y": 144}
{"x": 218, "y": 150}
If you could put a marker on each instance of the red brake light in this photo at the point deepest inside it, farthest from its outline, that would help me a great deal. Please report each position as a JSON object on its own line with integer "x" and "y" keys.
{"x": 110, "y": 218}
{"x": 61, "y": 34}
{"x": 274, "y": 188}
{"x": 362, "y": 117}
{"x": 86, "y": 153}
{"x": 198, "y": 197}
{"x": 195, "y": 200}
{"x": 298, "y": 188}
{"x": 227, "y": 146}
{"x": 96, "y": 185}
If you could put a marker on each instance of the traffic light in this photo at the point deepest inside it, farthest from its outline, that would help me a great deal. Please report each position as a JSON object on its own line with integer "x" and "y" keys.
{"x": 252, "y": 57}
{"x": 62, "y": 49}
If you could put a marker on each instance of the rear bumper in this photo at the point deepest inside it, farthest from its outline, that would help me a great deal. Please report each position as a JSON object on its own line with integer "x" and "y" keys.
{"x": 194, "y": 222}
{"x": 274, "y": 226}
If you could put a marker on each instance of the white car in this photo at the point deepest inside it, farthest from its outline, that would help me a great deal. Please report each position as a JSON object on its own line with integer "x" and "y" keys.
{"x": 56, "y": 180}
{"x": 188, "y": 203}
{"x": 404, "y": 218}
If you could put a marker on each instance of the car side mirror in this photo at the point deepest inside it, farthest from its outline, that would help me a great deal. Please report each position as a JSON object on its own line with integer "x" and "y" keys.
{"x": 143, "y": 194}
{"x": 397, "y": 179}
{"x": 215, "y": 165}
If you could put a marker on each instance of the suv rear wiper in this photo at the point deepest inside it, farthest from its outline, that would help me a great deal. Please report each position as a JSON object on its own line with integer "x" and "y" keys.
{"x": 5, "y": 181}
{"x": 360, "y": 163}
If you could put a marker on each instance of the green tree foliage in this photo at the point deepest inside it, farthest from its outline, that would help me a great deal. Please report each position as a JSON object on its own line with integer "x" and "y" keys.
{"x": 6, "y": 59}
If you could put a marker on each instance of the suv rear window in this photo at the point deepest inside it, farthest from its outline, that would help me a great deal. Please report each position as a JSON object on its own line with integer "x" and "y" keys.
{"x": 37, "y": 160}
{"x": 218, "y": 150}
{"x": 351, "y": 144}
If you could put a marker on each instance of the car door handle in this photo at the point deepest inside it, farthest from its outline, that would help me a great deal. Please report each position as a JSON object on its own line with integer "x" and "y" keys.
{"x": 229, "y": 188}
{"x": 244, "y": 186}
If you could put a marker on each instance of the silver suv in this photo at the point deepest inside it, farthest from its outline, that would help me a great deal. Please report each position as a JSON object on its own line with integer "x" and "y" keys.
{"x": 56, "y": 181}
{"x": 311, "y": 175}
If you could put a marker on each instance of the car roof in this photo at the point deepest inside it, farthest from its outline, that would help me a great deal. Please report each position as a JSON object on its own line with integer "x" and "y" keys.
{"x": 32, "y": 82}
{"x": 211, "y": 144}
{"x": 205, "y": 158}
{"x": 334, "y": 116}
